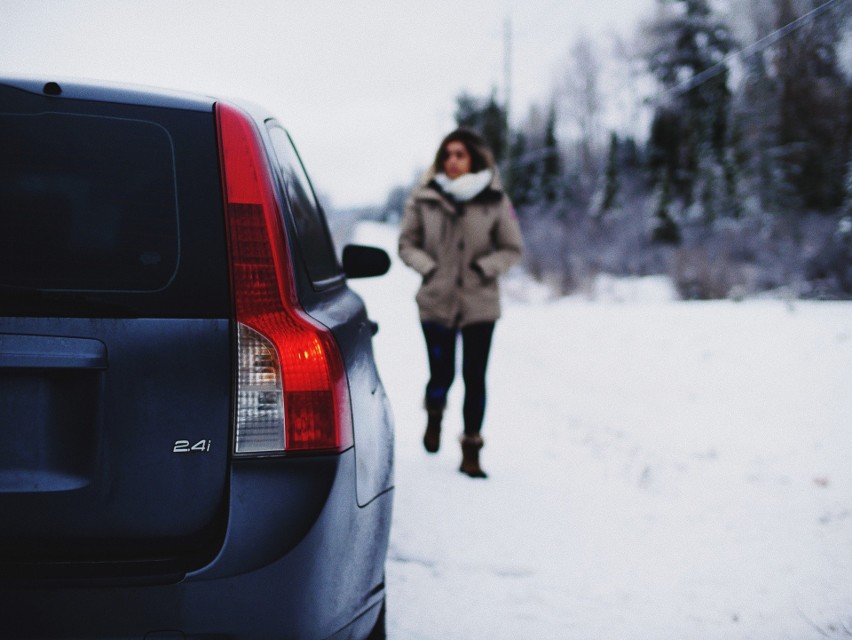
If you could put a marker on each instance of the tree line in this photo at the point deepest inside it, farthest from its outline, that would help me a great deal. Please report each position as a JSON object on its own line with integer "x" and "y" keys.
{"x": 741, "y": 182}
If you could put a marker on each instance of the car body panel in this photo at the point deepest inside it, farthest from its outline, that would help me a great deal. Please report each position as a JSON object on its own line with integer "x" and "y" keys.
{"x": 343, "y": 312}
{"x": 313, "y": 591}
{"x": 115, "y": 434}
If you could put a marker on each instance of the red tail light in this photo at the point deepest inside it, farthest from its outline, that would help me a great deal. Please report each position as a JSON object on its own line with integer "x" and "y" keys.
{"x": 292, "y": 393}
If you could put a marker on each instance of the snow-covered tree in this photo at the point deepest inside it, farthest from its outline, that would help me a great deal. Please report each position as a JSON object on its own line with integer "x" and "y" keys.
{"x": 687, "y": 46}
{"x": 485, "y": 115}
{"x": 813, "y": 104}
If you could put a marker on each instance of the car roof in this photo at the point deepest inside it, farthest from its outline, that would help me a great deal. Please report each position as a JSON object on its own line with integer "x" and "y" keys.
{"x": 103, "y": 91}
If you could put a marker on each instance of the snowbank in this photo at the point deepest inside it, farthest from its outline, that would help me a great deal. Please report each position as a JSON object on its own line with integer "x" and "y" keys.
{"x": 659, "y": 470}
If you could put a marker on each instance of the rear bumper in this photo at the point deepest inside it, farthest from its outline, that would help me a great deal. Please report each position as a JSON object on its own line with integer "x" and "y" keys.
{"x": 300, "y": 559}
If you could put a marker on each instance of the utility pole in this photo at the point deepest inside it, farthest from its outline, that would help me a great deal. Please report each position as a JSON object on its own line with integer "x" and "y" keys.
{"x": 507, "y": 97}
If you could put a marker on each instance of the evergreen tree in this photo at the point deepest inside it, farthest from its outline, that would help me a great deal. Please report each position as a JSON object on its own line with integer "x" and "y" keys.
{"x": 664, "y": 151}
{"x": 551, "y": 165}
{"x": 688, "y": 46}
{"x": 522, "y": 189}
{"x": 664, "y": 229}
{"x": 487, "y": 117}
{"x": 813, "y": 95}
{"x": 611, "y": 184}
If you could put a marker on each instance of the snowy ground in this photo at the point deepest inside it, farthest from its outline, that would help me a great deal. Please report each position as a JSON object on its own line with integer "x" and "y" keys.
{"x": 659, "y": 470}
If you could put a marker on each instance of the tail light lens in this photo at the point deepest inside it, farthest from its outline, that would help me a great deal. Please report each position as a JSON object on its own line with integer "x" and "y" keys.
{"x": 292, "y": 393}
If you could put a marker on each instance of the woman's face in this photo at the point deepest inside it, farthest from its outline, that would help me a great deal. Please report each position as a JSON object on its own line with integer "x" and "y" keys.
{"x": 457, "y": 162}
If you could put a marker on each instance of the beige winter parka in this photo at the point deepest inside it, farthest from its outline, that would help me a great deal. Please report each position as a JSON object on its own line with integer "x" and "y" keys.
{"x": 460, "y": 248}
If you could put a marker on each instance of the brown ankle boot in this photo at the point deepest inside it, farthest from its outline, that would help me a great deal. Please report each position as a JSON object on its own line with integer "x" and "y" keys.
{"x": 470, "y": 456}
{"x": 432, "y": 437}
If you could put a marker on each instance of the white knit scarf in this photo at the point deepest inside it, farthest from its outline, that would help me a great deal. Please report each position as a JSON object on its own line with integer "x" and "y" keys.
{"x": 467, "y": 186}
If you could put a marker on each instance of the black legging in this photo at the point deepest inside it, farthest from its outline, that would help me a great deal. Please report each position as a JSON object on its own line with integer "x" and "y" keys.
{"x": 476, "y": 344}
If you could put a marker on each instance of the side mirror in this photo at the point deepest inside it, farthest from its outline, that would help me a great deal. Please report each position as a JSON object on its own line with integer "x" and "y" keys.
{"x": 364, "y": 262}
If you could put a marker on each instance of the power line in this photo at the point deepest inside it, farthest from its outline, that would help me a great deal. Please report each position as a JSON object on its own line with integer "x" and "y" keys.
{"x": 754, "y": 48}
{"x": 698, "y": 79}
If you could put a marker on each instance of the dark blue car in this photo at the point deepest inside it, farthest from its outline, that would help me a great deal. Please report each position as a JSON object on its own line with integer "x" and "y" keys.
{"x": 194, "y": 439}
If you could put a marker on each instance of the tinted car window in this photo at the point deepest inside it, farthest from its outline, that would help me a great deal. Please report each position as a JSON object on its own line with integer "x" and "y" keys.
{"x": 309, "y": 222}
{"x": 87, "y": 203}
{"x": 109, "y": 210}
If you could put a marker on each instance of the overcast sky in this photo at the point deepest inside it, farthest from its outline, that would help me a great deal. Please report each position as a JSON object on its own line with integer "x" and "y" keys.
{"x": 367, "y": 88}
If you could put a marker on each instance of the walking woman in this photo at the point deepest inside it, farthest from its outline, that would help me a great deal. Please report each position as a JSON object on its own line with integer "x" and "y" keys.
{"x": 459, "y": 232}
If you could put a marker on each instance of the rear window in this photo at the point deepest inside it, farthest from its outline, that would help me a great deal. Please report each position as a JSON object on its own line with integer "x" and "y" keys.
{"x": 88, "y": 203}
{"x": 109, "y": 210}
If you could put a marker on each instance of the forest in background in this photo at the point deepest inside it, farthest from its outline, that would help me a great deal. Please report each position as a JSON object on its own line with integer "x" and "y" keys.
{"x": 713, "y": 147}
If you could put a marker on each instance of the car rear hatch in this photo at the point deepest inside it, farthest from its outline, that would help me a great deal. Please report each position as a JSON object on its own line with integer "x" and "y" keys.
{"x": 115, "y": 336}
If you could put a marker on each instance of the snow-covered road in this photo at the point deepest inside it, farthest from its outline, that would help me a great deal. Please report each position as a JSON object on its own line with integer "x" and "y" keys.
{"x": 659, "y": 470}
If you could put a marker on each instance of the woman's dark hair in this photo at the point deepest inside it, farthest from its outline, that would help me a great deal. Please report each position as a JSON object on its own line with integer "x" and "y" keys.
{"x": 480, "y": 155}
